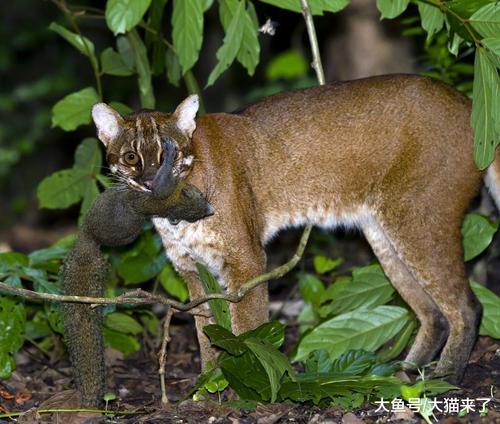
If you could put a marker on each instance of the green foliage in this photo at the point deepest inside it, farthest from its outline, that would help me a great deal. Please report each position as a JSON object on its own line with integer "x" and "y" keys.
{"x": 254, "y": 367}
{"x": 477, "y": 234}
{"x": 220, "y": 308}
{"x": 432, "y": 19}
{"x": 123, "y": 15}
{"x": 143, "y": 70}
{"x": 354, "y": 330}
{"x": 68, "y": 186}
{"x": 82, "y": 44}
{"x": 475, "y": 23}
{"x": 485, "y": 108}
{"x": 322, "y": 264}
{"x": 490, "y": 323}
{"x": 122, "y": 323}
{"x": 249, "y": 49}
{"x": 231, "y": 45}
{"x": 12, "y": 323}
{"x": 392, "y": 8}
{"x": 287, "y": 65}
{"x": 173, "y": 283}
{"x": 187, "y": 42}
{"x": 318, "y": 7}
{"x": 368, "y": 287}
{"x": 113, "y": 64}
{"x": 74, "y": 109}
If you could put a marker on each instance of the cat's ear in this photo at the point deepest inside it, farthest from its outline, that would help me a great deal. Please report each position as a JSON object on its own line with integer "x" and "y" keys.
{"x": 108, "y": 121}
{"x": 185, "y": 115}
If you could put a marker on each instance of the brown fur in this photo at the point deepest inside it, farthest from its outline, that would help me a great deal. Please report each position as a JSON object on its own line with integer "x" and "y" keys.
{"x": 391, "y": 155}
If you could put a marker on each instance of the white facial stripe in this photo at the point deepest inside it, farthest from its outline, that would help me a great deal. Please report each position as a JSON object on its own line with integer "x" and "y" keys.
{"x": 134, "y": 184}
{"x": 156, "y": 136}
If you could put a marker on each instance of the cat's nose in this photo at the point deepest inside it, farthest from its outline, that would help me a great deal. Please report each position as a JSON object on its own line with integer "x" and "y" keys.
{"x": 148, "y": 184}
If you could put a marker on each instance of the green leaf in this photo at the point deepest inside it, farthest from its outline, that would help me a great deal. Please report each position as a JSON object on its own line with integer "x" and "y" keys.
{"x": 155, "y": 18}
{"x": 141, "y": 268}
{"x": 353, "y": 362}
{"x": 88, "y": 156}
{"x": 486, "y": 20}
{"x": 113, "y": 64}
{"x": 485, "y": 108}
{"x": 125, "y": 343}
{"x": 477, "y": 234}
{"x": 62, "y": 189}
{"x": 12, "y": 325}
{"x": 314, "y": 388}
{"x": 436, "y": 387}
{"x": 173, "y": 67}
{"x": 231, "y": 43}
{"x": 74, "y": 109}
{"x": 272, "y": 360}
{"x": 173, "y": 283}
{"x": 392, "y": 8}
{"x": 109, "y": 397}
{"x": 490, "y": 322}
{"x": 207, "y": 4}
{"x": 398, "y": 343}
{"x": 224, "y": 339}
{"x": 366, "y": 329}
{"x": 368, "y": 287}
{"x": 492, "y": 44}
{"x": 311, "y": 288}
{"x": 432, "y": 19}
{"x": 125, "y": 51}
{"x": 246, "y": 376}
{"x": 318, "y": 362}
{"x": 272, "y": 331}
{"x": 150, "y": 323}
{"x": 123, "y": 15}
{"x": 143, "y": 70}
{"x": 187, "y": 31}
{"x": 249, "y": 51}
{"x": 322, "y": 264}
{"x": 121, "y": 108}
{"x": 465, "y": 8}
{"x": 39, "y": 258}
{"x": 288, "y": 65}
{"x": 219, "y": 307}
{"x": 317, "y": 6}
{"x": 14, "y": 258}
{"x": 81, "y": 43}
{"x": 122, "y": 323}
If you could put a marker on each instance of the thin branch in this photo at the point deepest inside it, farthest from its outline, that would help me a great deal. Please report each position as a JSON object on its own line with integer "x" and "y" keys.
{"x": 141, "y": 297}
{"x": 163, "y": 354}
{"x": 313, "y": 40}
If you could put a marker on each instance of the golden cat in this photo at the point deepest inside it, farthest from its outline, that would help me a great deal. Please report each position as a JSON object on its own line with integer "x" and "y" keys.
{"x": 390, "y": 155}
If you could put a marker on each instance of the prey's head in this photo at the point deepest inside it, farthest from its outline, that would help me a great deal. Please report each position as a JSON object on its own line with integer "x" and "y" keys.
{"x": 134, "y": 144}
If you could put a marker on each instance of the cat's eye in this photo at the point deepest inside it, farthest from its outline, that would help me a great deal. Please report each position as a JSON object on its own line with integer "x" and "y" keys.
{"x": 131, "y": 158}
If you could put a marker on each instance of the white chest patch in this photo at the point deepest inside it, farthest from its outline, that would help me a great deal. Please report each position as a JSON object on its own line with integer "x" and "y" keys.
{"x": 187, "y": 243}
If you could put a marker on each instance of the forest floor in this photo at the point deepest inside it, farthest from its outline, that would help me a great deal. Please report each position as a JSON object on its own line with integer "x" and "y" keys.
{"x": 42, "y": 381}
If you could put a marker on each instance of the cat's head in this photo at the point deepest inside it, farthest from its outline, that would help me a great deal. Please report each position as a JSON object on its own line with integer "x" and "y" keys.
{"x": 134, "y": 143}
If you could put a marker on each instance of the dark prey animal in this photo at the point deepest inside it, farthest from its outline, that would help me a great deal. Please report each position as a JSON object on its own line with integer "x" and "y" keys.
{"x": 116, "y": 218}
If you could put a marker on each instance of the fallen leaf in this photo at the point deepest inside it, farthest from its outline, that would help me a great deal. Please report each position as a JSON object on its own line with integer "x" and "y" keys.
{"x": 22, "y": 397}
{"x": 6, "y": 395}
